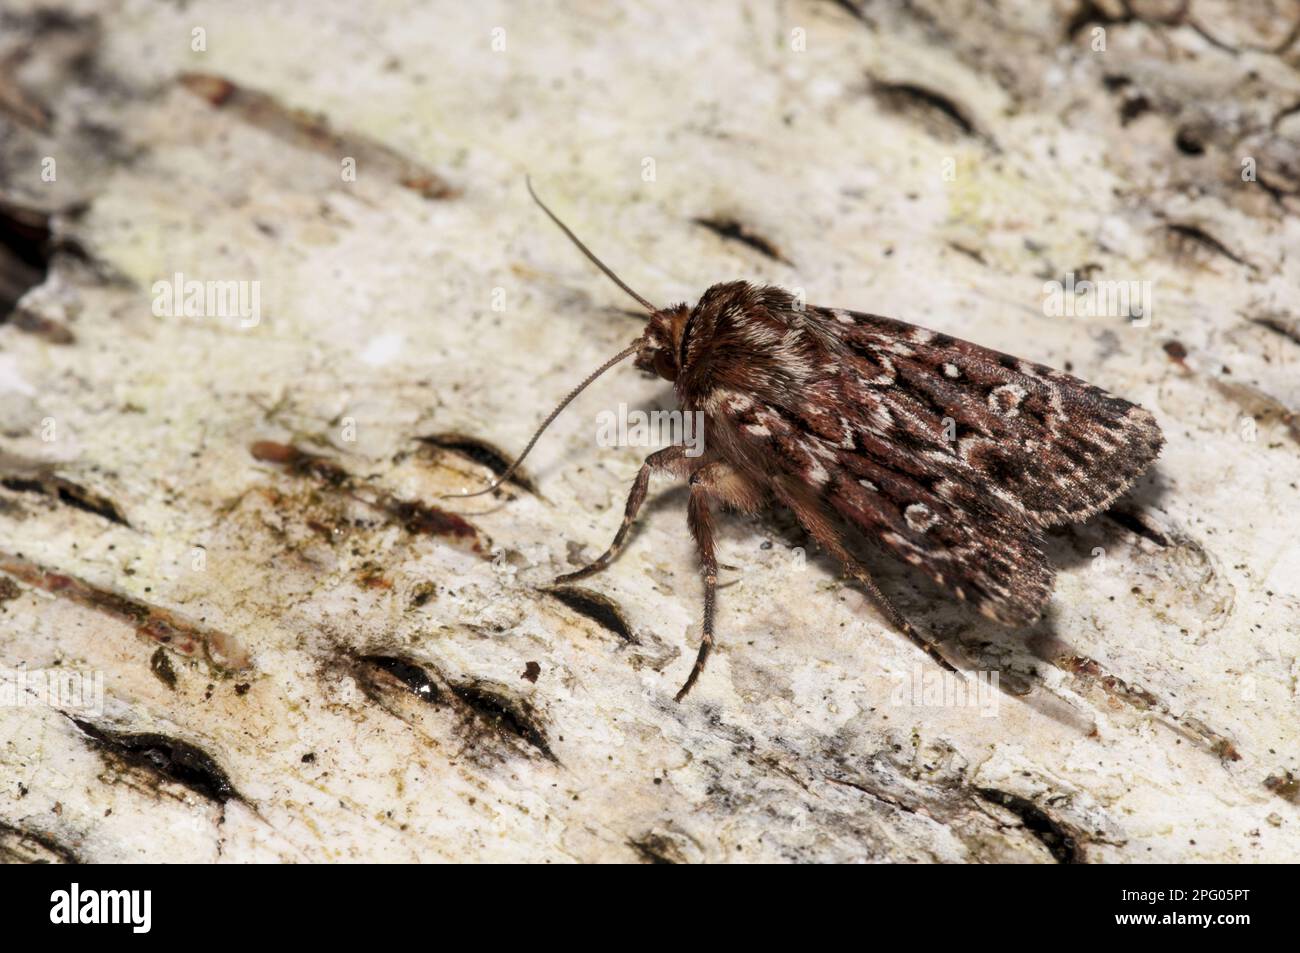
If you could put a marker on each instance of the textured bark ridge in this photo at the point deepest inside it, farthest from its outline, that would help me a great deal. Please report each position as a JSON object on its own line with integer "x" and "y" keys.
{"x": 237, "y": 621}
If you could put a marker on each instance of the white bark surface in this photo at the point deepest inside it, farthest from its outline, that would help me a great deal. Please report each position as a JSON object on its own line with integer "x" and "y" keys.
{"x": 235, "y": 606}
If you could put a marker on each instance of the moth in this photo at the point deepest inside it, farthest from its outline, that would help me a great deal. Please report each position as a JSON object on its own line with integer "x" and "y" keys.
{"x": 953, "y": 457}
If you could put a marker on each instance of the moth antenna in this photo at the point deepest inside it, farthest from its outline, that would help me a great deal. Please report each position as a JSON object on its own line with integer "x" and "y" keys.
{"x": 587, "y": 251}
{"x": 626, "y": 352}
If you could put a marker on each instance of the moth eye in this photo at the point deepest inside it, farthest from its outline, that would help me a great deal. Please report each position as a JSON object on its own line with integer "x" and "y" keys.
{"x": 665, "y": 366}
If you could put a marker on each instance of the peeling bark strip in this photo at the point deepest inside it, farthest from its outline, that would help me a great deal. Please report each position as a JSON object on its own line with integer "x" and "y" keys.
{"x": 1257, "y": 404}
{"x": 484, "y": 710}
{"x": 165, "y": 758}
{"x": 940, "y": 113}
{"x": 299, "y": 462}
{"x": 654, "y": 848}
{"x": 313, "y": 133}
{"x": 424, "y": 519}
{"x": 602, "y": 610}
{"x": 24, "y": 252}
{"x": 1140, "y": 699}
{"x": 735, "y": 231}
{"x": 1185, "y": 236}
{"x": 19, "y": 846}
{"x": 508, "y": 716}
{"x": 223, "y": 651}
{"x": 1055, "y": 836}
{"x": 480, "y": 452}
{"x": 409, "y": 674}
{"x": 878, "y": 795}
{"x": 418, "y": 518}
{"x": 1289, "y": 329}
{"x": 67, "y": 492}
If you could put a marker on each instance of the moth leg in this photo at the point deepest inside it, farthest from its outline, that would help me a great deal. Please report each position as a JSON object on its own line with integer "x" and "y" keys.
{"x": 720, "y": 482}
{"x": 699, "y": 517}
{"x": 813, "y": 519}
{"x": 671, "y": 459}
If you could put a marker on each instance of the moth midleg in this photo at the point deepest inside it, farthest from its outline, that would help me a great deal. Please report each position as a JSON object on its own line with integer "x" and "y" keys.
{"x": 814, "y": 519}
{"x": 699, "y": 517}
{"x": 670, "y": 459}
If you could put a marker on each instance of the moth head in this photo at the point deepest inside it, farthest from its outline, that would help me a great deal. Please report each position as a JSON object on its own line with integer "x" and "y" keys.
{"x": 659, "y": 346}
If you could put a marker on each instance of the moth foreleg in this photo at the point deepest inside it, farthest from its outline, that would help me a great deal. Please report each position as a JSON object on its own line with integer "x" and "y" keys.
{"x": 699, "y": 517}
{"x": 814, "y": 519}
{"x": 671, "y": 459}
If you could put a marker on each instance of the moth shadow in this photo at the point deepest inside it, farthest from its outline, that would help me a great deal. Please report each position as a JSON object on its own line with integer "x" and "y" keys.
{"x": 662, "y": 497}
{"x": 982, "y": 648}
{"x": 977, "y": 646}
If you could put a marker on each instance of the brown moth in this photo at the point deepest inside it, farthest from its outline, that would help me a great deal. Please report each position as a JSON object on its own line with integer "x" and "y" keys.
{"x": 951, "y": 456}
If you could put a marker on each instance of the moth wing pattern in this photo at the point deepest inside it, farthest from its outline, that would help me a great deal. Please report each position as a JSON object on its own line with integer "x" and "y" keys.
{"x": 963, "y": 540}
{"x": 953, "y": 456}
{"x": 1053, "y": 445}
